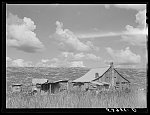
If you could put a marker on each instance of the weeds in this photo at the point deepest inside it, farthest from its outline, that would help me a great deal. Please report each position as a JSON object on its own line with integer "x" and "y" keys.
{"x": 80, "y": 99}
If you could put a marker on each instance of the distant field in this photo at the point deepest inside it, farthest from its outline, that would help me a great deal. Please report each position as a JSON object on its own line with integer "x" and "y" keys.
{"x": 138, "y": 78}
{"x": 135, "y": 76}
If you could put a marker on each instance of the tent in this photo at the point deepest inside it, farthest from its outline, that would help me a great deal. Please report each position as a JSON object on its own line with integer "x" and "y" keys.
{"x": 106, "y": 76}
{"x": 90, "y": 76}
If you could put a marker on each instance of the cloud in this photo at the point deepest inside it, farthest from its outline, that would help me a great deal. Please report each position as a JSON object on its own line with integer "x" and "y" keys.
{"x": 136, "y": 40}
{"x": 45, "y": 60}
{"x": 54, "y": 62}
{"x": 77, "y": 64}
{"x": 59, "y": 62}
{"x": 68, "y": 59}
{"x": 124, "y": 57}
{"x": 20, "y": 34}
{"x": 17, "y": 63}
{"x": 141, "y": 18}
{"x": 97, "y": 35}
{"x": 79, "y": 56}
{"x": 54, "y": 59}
{"x": 69, "y": 41}
{"x": 127, "y": 6}
{"x": 43, "y": 63}
{"x": 92, "y": 57}
{"x": 138, "y": 35}
{"x": 92, "y": 47}
{"x": 134, "y": 35}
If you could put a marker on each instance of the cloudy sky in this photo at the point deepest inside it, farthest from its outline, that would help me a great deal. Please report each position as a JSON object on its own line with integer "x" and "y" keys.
{"x": 76, "y": 35}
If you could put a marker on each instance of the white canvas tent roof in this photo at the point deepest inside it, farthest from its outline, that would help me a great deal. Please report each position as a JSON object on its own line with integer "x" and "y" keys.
{"x": 89, "y": 76}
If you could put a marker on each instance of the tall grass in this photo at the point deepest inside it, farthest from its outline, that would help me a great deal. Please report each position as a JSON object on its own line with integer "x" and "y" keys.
{"x": 79, "y": 99}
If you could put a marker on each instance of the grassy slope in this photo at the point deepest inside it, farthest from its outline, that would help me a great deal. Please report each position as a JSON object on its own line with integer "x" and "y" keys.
{"x": 76, "y": 99}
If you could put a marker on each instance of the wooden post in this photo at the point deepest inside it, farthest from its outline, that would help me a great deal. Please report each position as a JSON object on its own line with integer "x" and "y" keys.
{"x": 50, "y": 88}
{"x": 112, "y": 73}
{"x": 67, "y": 85}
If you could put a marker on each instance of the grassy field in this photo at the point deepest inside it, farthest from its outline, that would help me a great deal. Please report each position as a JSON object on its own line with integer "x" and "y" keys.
{"x": 77, "y": 99}
{"x": 74, "y": 98}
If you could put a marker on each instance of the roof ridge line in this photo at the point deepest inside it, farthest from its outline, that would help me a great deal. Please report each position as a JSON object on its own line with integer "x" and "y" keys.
{"x": 122, "y": 76}
{"x": 101, "y": 75}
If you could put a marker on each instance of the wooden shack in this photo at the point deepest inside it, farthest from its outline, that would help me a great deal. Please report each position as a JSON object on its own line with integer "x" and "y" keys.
{"x": 63, "y": 84}
{"x": 47, "y": 86}
{"x": 57, "y": 86}
{"x": 39, "y": 84}
{"x": 107, "y": 77}
{"x": 54, "y": 87}
{"x": 114, "y": 79}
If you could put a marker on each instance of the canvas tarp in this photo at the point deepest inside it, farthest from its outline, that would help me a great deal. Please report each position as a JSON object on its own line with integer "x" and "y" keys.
{"x": 89, "y": 76}
{"x": 40, "y": 81}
